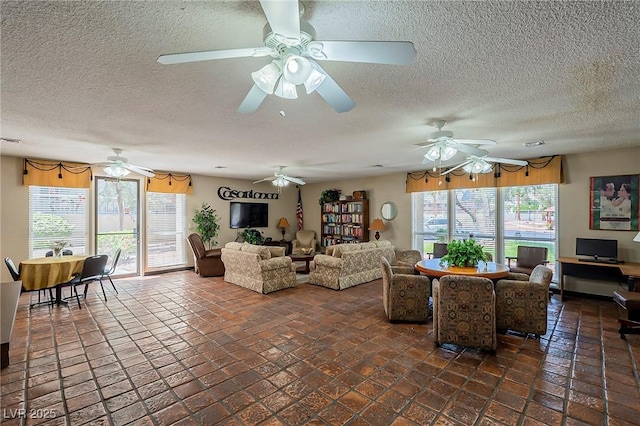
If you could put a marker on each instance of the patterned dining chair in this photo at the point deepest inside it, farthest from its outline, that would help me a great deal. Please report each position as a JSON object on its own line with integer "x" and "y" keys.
{"x": 405, "y": 297}
{"x": 522, "y": 305}
{"x": 464, "y": 312}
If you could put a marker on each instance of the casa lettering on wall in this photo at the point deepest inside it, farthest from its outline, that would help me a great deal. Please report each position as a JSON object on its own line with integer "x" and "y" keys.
{"x": 226, "y": 193}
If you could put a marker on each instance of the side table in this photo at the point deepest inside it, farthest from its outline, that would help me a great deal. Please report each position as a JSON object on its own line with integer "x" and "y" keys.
{"x": 286, "y": 244}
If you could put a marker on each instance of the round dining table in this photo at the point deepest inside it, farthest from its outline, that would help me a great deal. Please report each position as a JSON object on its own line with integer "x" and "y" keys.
{"x": 433, "y": 268}
{"x": 45, "y": 272}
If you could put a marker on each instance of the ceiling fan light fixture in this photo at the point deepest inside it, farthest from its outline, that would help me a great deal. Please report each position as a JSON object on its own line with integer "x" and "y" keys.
{"x": 477, "y": 167}
{"x": 296, "y": 69}
{"x": 316, "y": 78}
{"x": 280, "y": 181}
{"x": 115, "y": 171}
{"x": 267, "y": 77}
{"x": 286, "y": 89}
{"x": 447, "y": 153}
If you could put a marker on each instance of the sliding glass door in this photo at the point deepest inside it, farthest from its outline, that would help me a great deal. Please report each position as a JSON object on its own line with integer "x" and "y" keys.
{"x": 117, "y": 222}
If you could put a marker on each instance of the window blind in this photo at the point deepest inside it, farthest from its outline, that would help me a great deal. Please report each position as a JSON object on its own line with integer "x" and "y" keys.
{"x": 166, "y": 229}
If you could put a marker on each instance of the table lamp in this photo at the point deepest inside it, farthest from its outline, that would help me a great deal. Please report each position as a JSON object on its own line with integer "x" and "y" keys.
{"x": 283, "y": 224}
{"x": 377, "y": 225}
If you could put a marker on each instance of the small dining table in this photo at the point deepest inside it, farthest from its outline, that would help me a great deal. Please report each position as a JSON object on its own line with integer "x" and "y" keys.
{"x": 47, "y": 272}
{"x": 433, "y": 269}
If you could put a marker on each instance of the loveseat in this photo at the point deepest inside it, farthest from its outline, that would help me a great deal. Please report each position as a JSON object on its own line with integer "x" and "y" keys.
{"x": 258, "y": 268}
{"x": 345, "y": 265}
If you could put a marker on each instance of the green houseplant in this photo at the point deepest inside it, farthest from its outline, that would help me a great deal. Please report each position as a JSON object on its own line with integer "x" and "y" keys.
{"x": 206, "y": 220}
{"x": 329, "y": 195}
{"x": 252, "y": 236}
{"x": 464, "y": 253}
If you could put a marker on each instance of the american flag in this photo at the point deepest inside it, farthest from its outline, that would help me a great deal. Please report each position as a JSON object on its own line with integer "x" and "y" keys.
{"x": 299, "y": 210}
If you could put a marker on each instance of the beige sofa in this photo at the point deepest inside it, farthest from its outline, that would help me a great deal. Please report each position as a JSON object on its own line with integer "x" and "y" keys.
{"x": 346, "y": 265}
{"x": 258, "y": 268}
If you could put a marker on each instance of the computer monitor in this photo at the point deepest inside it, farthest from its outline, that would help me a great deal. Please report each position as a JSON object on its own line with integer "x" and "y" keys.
{"x": 597, "y": 248}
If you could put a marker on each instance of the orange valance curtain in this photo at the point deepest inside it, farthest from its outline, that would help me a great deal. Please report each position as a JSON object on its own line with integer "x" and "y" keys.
{"x": 56, "y": 173}
{"x": 170, "y": 183}
{"x": 539, "y": 171}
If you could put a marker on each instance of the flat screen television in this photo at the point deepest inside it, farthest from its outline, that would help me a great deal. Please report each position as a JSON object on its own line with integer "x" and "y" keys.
{"x": 597, "y": 248}
{"x": 249, "y": 215}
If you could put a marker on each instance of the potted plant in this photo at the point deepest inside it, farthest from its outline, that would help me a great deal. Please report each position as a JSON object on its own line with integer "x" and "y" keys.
{"x": 206, "y": 220}
{"x": 464, "y": 253}
{"x": 252, "y": 236}
{"x": 329, "y": 195}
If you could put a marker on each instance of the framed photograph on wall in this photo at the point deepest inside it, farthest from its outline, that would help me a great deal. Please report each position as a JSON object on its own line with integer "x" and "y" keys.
{"x": 614, "y": 203}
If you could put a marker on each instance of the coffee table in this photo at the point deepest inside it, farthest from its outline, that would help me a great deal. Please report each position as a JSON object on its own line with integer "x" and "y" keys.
{"x": 301, "y": 257}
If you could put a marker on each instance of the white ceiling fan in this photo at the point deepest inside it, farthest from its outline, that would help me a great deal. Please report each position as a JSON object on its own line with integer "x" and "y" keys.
{"x": 292, "y": 45}
{"x": 443, "y": 146}
{"x": 279, "y": 179}
{"x": 118, "y": 167}
{"x": 474, "y": 164}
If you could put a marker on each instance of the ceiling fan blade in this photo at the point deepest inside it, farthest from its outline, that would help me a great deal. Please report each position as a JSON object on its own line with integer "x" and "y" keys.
{"x": 264, "y": 180}
{"x": 252, "y": 101}
{"x": 373, "y": 52}
{"x": 294, "y": 180}
{"x": 457, "y": 167}
{"x": 180, "y": 58}
{"x": 505, "y": 161}
{"x": 334, "y": 95}
{"x": 476, "y": 141}
{"x": 284, "y": 19}
{"x": 140, "y": 170}
{"x": 468, "y": 149}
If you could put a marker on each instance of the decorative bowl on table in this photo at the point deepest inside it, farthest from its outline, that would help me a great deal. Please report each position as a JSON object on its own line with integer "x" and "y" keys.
{"x": 306, "y": 250}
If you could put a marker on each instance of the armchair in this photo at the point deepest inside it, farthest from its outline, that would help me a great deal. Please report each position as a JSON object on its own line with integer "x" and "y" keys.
{"x": 522, "y": 305}
{"x": 304, "y": 239}
{"x": 527, "y": 259}
{"x": 405, "y": 297}
{"x": 405, "y": 261}
{"x": 464, "y": 312}
{"x": 208, "y": 263}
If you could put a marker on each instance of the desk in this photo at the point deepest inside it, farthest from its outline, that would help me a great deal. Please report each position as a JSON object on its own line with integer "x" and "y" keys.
{"x": 46, "y": 272}
{"x": 605, "y": 271}
{"x": 432, "y": 268}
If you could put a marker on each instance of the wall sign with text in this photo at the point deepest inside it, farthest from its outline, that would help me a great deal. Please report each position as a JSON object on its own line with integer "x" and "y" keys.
{"x": 226, "y": 193}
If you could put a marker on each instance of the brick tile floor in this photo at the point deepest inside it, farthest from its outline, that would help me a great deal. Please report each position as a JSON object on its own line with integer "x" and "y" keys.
{"x": 180, "y": 349}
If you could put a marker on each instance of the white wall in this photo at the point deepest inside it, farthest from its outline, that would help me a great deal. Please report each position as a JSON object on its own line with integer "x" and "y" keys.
{"x": 14, "y": 207}
{"x": 573, "y": 208}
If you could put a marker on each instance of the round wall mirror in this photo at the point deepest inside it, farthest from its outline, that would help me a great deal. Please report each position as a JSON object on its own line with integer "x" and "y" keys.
{"x": 389, "y": 210}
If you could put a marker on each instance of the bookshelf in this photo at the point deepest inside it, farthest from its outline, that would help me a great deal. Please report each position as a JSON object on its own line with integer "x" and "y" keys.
{"x": 344, "y": 222}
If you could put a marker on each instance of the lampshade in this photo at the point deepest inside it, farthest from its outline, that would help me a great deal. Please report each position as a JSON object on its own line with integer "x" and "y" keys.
{"x": 286, "y": 89}
{"x": 296, "y": 69}
{"x": 280, "y": 182}
{"x": 315, "y": 79}
{"x": 637, "y": 238}
{"x": 377, "y": 225}
{"x": 267, "y": 77}
{"x": 479, "y": 166}
{"x": 442, "y": 151}
{"x": 116, "y": 171}
{"x": 283, "y": 223}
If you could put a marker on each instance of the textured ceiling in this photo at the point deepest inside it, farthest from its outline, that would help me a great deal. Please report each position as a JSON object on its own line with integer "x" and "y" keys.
{"x": 81, "y": 77}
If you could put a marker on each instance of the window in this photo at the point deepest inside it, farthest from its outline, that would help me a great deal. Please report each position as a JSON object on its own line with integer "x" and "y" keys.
{"x": 57, "y": 214}
{"x": 499, "y": 219}
{"x": 166, "y": 229}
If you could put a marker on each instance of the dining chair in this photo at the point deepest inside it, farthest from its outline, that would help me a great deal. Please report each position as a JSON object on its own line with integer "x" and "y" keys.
{"x": 15, "y": 275}
{"x": 464, "y": 312}
{"x": 64, "y": 253}
{"x": 92, "y": 270}
{"x": 527, "y": 259}
{"x": 108, "y": 271}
